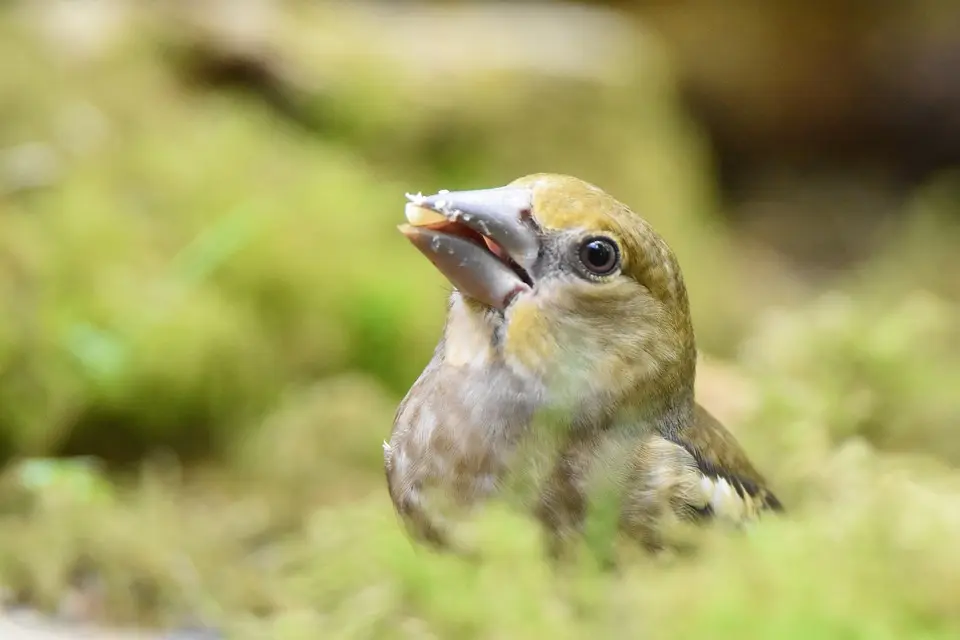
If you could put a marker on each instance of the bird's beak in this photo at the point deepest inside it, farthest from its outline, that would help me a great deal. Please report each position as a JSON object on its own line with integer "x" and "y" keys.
{"x": 485, "y": 242}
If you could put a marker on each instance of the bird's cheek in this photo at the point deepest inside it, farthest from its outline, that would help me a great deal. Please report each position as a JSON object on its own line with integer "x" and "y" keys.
{"x": 529, "y": 343}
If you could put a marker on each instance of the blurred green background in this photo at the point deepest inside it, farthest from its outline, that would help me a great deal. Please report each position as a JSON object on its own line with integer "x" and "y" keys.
{"x": 207, "y": 316}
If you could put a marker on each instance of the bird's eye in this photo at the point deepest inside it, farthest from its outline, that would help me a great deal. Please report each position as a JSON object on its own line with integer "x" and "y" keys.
{"x": 599, "y": 255}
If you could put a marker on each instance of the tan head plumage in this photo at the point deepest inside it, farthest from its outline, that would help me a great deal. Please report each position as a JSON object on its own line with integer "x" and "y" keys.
{"x": 566, "y": 202}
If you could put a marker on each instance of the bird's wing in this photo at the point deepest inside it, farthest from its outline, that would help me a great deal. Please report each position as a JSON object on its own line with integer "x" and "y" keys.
{"x": 728, "y": 485}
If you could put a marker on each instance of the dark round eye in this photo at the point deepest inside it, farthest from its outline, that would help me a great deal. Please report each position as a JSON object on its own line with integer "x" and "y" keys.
{"x": 599, "y": 255}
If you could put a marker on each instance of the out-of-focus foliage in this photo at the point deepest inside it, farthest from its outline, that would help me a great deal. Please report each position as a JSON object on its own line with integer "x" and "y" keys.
{"x": 881, "y": 372}
{"x": 175, "y": 258}
{"x": 863, "y": 526}
{"x": 192, "y": 269}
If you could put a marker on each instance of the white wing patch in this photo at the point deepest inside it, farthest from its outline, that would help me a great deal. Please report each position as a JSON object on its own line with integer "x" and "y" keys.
{"x": 727, "y": 501}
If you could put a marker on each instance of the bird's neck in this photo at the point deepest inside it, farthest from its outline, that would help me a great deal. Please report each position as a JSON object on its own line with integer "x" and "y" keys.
{"x": 662, "y": 401}
{"x": 663, "y": 393}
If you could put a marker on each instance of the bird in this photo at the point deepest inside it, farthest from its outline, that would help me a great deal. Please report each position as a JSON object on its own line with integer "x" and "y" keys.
{"x": 568, "y": 323}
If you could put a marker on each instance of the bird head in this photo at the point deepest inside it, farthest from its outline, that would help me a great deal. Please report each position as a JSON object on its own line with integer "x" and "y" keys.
{"x": 564, "y": 286}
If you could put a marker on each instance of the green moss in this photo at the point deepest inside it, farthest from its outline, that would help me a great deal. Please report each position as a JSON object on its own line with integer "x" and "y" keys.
{"x": 880, "y": 369}
{"x": 347, "y": 570}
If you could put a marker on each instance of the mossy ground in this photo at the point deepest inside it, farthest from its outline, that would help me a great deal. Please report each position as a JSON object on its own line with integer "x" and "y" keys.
{"x": 217, "y": 304}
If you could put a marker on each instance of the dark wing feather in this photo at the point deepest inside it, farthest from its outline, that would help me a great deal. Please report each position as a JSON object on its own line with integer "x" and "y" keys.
{"x": 718, "y": 456}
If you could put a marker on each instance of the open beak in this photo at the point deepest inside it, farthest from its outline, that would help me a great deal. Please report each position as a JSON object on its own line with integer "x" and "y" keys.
{"x": 485, "y": 242}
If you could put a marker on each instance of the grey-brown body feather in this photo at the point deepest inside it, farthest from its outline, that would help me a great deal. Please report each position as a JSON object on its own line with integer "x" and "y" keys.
{"x": 453, "y": 434}
{"x": 464, "y": 425}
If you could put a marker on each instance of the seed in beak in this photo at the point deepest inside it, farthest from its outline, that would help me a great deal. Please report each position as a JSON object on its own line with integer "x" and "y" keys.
{"x": 420, "y": 216}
